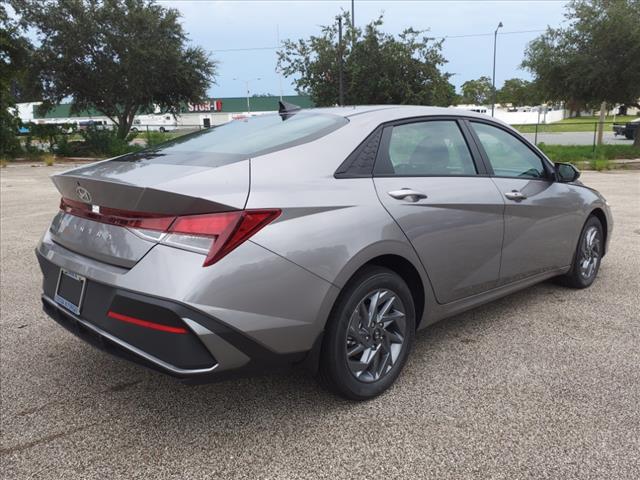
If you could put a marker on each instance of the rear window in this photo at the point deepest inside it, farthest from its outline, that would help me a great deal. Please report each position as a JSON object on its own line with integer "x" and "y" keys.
{"x": 258, "y": 135}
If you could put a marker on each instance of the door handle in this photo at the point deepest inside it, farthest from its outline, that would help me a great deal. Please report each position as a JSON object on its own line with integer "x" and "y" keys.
{"x": 515, "y": 195}
{"x": 407, "y": 194}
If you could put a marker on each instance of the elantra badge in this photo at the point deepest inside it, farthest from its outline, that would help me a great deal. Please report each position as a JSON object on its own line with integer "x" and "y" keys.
{"x": 83, "y": 194}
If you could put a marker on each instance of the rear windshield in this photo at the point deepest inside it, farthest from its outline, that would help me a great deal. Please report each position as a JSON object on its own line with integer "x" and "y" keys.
{"x": 241, "y": 139}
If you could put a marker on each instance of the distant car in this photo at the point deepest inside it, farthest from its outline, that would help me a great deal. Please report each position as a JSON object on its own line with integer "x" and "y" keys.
{"x": 95, "y": 124}
{"x": 323, "y": 238}
{"x": 629, "y": 129}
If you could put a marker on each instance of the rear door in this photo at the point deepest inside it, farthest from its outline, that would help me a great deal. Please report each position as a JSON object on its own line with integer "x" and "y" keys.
{"x": 426, "y": 177}
{"x": 542, "y": 216}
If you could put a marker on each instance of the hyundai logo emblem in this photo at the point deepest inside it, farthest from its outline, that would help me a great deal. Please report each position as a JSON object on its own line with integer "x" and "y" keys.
{"x": 83, "y": 194}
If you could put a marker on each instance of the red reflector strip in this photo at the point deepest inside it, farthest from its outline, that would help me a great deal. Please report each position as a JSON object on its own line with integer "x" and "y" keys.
{"x": 145, "y": 323}
{"x": 121, "y": 218}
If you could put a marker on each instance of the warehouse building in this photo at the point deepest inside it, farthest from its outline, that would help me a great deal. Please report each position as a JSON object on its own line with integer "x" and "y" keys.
{"x": 214, "y": 111}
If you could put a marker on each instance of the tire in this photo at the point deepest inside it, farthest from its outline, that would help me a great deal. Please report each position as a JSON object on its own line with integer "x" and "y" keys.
{"x": 162, "y": 129}
{"x": 590, "y": 246}
{"x": 134, "y": 130}
{"x": 361, "y": 362}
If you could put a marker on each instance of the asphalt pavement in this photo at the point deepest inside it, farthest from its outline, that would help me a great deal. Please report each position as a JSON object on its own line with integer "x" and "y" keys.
{"x": 542, "y": 384}
{"x": 575, "y": 138}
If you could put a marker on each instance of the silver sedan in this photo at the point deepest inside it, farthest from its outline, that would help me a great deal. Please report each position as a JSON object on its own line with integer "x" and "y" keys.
{"x": 321, "y": 238}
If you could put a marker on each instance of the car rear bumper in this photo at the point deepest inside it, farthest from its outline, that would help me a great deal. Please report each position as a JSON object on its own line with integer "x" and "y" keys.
{"x": 207, "y": 348}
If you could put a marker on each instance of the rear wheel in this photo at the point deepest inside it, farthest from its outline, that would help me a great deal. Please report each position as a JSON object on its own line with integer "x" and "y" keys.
{"x": 369, "y": 335}
{"x": 586, "y": 260}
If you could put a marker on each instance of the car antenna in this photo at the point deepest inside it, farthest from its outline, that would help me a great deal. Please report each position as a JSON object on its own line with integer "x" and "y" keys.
{"x": 286, "y": 109}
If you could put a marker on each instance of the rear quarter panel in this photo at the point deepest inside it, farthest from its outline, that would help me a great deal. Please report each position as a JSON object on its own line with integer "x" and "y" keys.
{"x": 330, "y": 227}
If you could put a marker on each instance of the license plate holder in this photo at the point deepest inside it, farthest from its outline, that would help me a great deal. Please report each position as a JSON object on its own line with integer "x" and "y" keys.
{"x": 70, "y": 290}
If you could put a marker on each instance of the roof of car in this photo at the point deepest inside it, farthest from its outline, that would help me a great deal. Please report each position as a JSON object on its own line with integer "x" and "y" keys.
{"x": 385, "y": 113}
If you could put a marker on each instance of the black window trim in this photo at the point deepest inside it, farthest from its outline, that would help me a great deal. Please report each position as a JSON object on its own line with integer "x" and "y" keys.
{"x": 383, "y": 148}
{"x": 547, "y": 164}
{"x": 345, "y": 168}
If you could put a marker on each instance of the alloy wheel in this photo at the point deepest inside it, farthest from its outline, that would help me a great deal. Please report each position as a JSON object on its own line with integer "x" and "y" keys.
{"x": 589, "y": 252}
{"x": 376, "y": 335}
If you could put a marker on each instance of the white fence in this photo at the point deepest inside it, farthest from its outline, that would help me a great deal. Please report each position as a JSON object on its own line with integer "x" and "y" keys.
{"x": 525, "y": 118}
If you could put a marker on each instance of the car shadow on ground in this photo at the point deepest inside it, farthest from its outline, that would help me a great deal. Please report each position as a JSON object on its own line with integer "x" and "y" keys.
{"x": 283, "y": 392}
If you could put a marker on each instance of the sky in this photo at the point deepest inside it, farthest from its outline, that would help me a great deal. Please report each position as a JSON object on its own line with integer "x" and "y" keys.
{"x": 223, "y": 27}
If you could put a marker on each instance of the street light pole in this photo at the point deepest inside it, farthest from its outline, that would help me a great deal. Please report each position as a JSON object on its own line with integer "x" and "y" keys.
{"x": 248, "y": 104}
{"x": 340, "y": 82}
{"x": 493, "y": 77}
{"x": 353, "y": 25}
{"x": 246, "y": 82}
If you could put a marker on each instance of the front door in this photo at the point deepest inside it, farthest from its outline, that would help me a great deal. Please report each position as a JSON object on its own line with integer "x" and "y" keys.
{"x": 426, "y": 178}
{"x": 542, "y": 216}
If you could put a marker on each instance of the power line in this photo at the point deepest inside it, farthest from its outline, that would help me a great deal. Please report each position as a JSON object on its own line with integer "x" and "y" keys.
{"x": 469, "y": 35}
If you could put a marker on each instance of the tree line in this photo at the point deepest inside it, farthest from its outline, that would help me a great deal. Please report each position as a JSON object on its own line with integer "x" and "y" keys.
{"x": 123, "y": 57}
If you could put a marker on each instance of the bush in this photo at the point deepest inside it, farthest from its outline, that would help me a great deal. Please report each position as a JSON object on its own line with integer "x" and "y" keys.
{"x": 600, "y": 164}
{"x": 106, "y": 142}
{"x": 49, "y": 159}
{"x": 155, "y": 138}
{"x": 49, "y": 134}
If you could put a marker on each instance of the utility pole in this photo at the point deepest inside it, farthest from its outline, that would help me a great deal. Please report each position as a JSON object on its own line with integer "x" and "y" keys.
{"x": 279, "y": 72}
{"x": 493, "y": 77}
{"x": 353, "y": 15}
{"x": 340, "y": 84}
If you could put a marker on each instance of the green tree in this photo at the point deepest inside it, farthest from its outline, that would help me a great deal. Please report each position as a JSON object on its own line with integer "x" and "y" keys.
{"x": 477, "y": 92}
{"x": 378, "y": 68}
{"x": 119, "y": 57}
{"x": 595, "y": 59}
{"x": 519, "y": 92}
{"x": 15, "y": 55}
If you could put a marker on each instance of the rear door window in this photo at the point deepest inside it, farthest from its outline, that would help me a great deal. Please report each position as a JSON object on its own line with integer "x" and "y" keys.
{"x": 427, "y": 148}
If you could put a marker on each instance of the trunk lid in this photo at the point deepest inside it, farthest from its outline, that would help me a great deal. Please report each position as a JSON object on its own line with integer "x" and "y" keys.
{"x": 159, "y": 182}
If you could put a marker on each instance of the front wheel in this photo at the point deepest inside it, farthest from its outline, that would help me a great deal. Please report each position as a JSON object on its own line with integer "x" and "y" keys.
{"x": 368, "y": 335}
{"x": 586, "y": 260}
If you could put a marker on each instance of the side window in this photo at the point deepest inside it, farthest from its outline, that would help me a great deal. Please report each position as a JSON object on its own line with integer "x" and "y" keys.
{"x": 508, "y": 156}
{"x": 427, "y": 148}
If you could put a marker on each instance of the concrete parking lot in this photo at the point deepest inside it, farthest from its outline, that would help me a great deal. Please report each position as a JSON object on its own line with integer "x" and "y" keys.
{"x": 542, "y": 384}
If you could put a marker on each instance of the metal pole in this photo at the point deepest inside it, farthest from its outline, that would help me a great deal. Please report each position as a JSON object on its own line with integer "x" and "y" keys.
{"x": 248, "y": 105}
{"x": 353, "y": 15}
{"x": 279, "y": 72}
{"x": 340, "y": 84}
{"x": 493, "y": 77}
{"x": 595, "y": 133}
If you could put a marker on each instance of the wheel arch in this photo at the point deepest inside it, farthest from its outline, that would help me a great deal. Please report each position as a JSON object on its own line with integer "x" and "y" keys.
{"x": 600, "y": 215}
{"x": 408, "y": 268}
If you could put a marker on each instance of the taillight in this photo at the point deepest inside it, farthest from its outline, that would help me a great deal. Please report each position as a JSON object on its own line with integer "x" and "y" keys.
{"x": 213, "y": 234}
{"x": 217, "y": 234}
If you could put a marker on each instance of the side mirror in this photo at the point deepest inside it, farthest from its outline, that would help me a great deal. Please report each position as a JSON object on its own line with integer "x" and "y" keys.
{"x": 566, "y": 173}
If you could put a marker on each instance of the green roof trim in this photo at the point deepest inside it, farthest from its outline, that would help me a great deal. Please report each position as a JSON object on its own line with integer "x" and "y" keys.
{"x": 229, "y": 105}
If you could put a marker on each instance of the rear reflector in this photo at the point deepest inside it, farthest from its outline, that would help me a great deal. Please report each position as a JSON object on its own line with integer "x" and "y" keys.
{"x": 213, "y": 234}
{"x": 113, "y": 216}
{"x": 145, "y": 323}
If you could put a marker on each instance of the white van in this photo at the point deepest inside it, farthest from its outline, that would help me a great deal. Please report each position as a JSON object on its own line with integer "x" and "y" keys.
{"x": 154, "y": 123}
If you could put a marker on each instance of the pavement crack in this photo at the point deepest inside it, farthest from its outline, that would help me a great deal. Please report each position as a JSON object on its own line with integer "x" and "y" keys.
{"x": 44, "y": 440}
{"x": 118, "y": 387}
